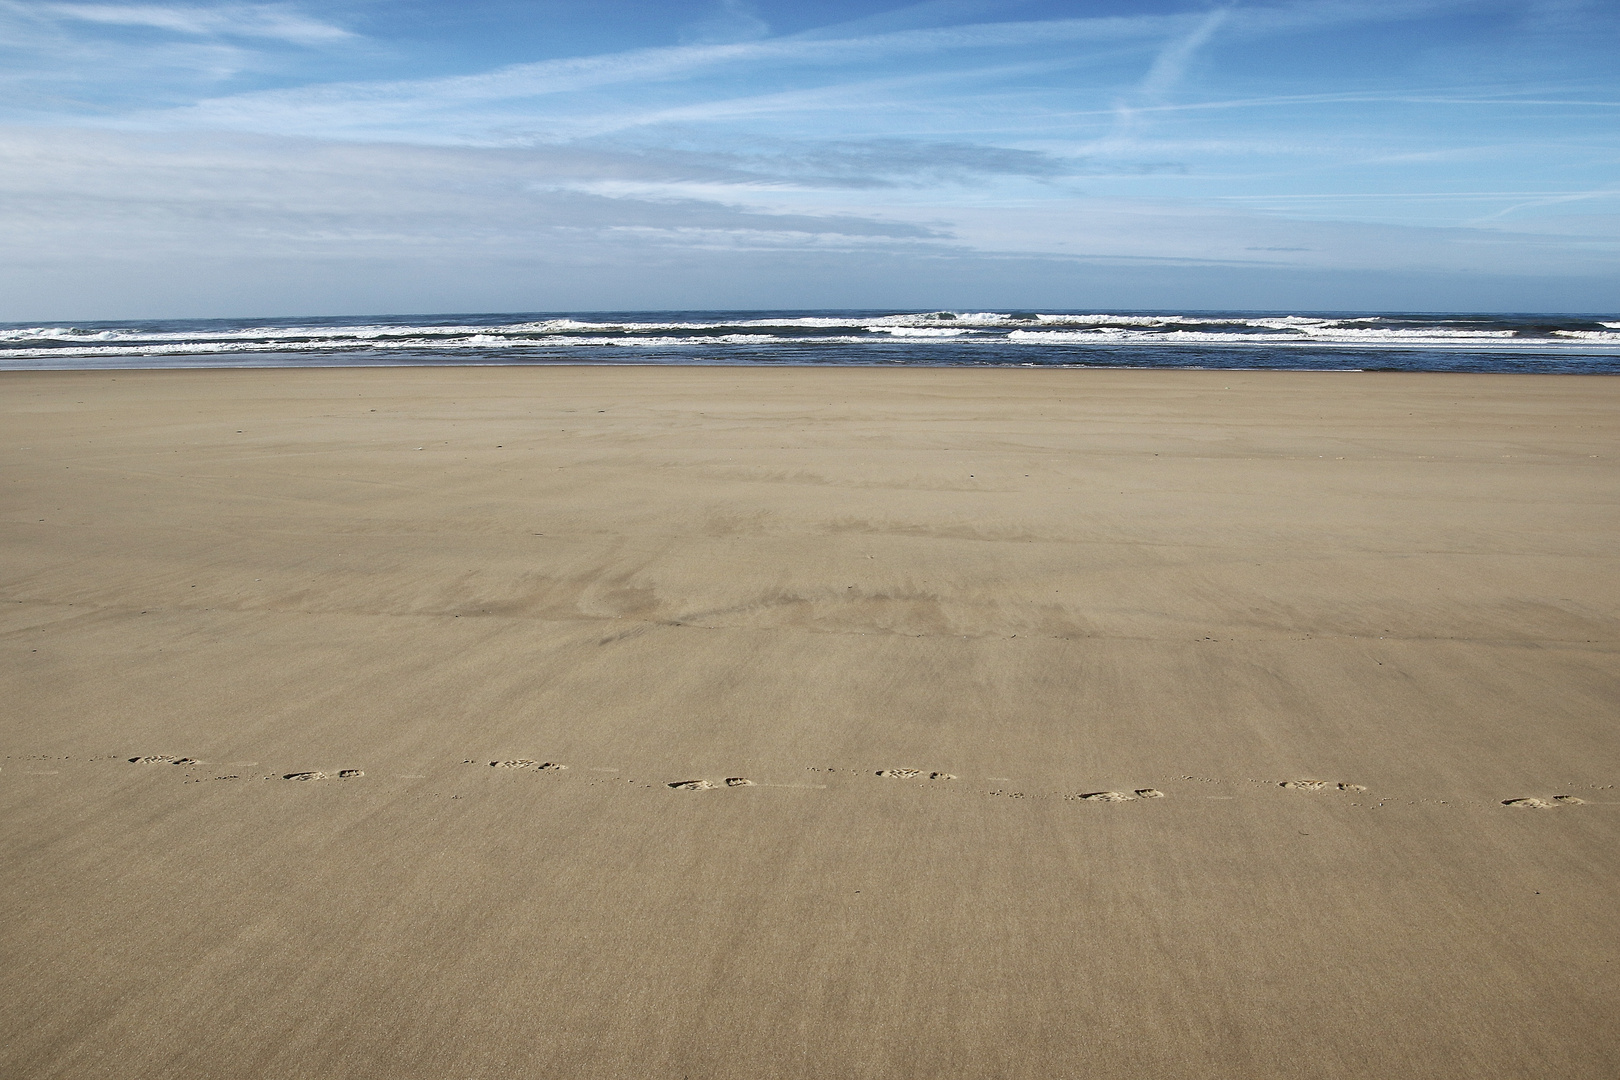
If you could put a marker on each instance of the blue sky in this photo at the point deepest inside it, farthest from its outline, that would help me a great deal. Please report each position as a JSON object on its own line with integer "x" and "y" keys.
{"x": 366, "y": 156}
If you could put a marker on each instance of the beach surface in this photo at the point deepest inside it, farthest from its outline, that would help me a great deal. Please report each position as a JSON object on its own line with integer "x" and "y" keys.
{"x": 1032, "y": 724}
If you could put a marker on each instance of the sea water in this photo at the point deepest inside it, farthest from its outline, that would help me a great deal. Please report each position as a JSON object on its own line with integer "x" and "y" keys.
{"x": 1047, "y": 338}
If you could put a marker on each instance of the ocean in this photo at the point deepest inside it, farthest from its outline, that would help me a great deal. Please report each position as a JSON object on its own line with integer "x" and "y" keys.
{"x": 1117, "y": 339}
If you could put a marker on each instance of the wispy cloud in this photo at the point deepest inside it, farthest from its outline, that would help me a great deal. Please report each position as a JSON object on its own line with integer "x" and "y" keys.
{"x": 832, "y": 165}
{"x": 205, "y": 194}
{"x": 164, "y": 190}
{"x": 1541, "y": 199}
{"x": 569, "y": 98}
{"x": 1163, "y": 75}
{"x": 1171, "y": 64}
{"x": 277, "y": 22}
{"x": 94, "y": 63}
{"x": 351, "y": 107}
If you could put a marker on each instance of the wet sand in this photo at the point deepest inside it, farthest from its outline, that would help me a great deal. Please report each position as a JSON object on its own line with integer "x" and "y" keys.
{"x": 1081, "y": 723}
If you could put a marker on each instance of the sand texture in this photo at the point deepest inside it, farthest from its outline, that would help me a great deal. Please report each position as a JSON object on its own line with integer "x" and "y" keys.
{"x": 634, "y": 722}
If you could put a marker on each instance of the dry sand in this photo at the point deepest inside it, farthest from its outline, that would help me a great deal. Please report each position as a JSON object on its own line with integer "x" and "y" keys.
{"x": 1051, "y": 584}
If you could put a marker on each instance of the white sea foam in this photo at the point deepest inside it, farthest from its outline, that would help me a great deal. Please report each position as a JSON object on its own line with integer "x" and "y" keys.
{"x": 932, "y": 324}
{"x": 1314, "y": 336}
{"x": 548, "y": 327}
{"x": 1339, "y": 333}
{"x": 1260, "y": 322}
{"x": 472, "y": 341}
{"x": 936, "y": 336}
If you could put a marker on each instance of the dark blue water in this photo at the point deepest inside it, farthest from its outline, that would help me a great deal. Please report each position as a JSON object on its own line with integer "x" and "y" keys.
{"x": 1320, "y": 341}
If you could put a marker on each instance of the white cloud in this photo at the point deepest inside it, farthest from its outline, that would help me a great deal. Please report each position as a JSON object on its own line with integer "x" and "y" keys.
{"x": 568, "y": 98}
{"x": 87, "y": 195}
{"x": 1171, "y": 63}
{"x": 271, "y": 21}
{"x": 482, "y": 107}
{"x": 99, "y": 194}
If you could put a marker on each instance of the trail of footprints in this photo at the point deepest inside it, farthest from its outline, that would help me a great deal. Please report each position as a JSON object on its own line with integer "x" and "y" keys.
{"x": 312, "y": 774}
{"x": 1306, "y": 785}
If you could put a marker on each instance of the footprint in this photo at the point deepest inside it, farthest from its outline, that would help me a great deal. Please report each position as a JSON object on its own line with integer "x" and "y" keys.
{"x": 1569, "y": 800}
{"x": 1528, "y": 804}
{"x": 738, "y": 781}
{"x": 304, "y": 776}
{"x": 1108, "y": 796}
{"x": 900, "y": 774}
{"x": 550, "y": 766}
{"x": 349, "y": 774}
{"x": 155, "y": 759}
{"x": 691, "y": 785}
{"x": 942, "y": 776}
{"x": 1149, "y": 793}
{"x": 1320, "y": 785}
{"x": 515, "y": 763}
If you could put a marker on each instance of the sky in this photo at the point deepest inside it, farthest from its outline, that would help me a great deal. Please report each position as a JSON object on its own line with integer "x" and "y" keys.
{"x": 418, "y": 156}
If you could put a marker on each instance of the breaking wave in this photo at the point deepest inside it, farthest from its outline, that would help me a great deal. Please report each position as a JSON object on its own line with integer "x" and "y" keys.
{"x": 1079, "y": 338}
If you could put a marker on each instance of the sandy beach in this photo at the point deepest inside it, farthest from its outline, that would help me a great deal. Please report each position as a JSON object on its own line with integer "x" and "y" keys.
{"x": 1032, "y": 724}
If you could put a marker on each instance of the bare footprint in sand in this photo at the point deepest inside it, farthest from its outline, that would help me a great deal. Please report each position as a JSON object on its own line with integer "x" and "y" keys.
{"x": 514, "y": 763}
{"x": 691, "y": 785}
{"x": 349, "y": 774}
{"x": 1528, "y": 804}
{"x": 738, "y": 781}
{"x": 1149, "y": 793}
{"x": 1321, "y": 785}
{"x": 155, "y": 759}
{"x": 1569, "y": 800}
{"x": 942, "y": 776}
{"x": 1108, "y": 796}
{"x": 900, "y": 774}
{"x": 312, "y": 775}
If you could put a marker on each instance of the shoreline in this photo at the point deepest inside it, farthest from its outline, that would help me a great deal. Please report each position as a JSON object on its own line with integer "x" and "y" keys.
{"x": 1572, "y": 356}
